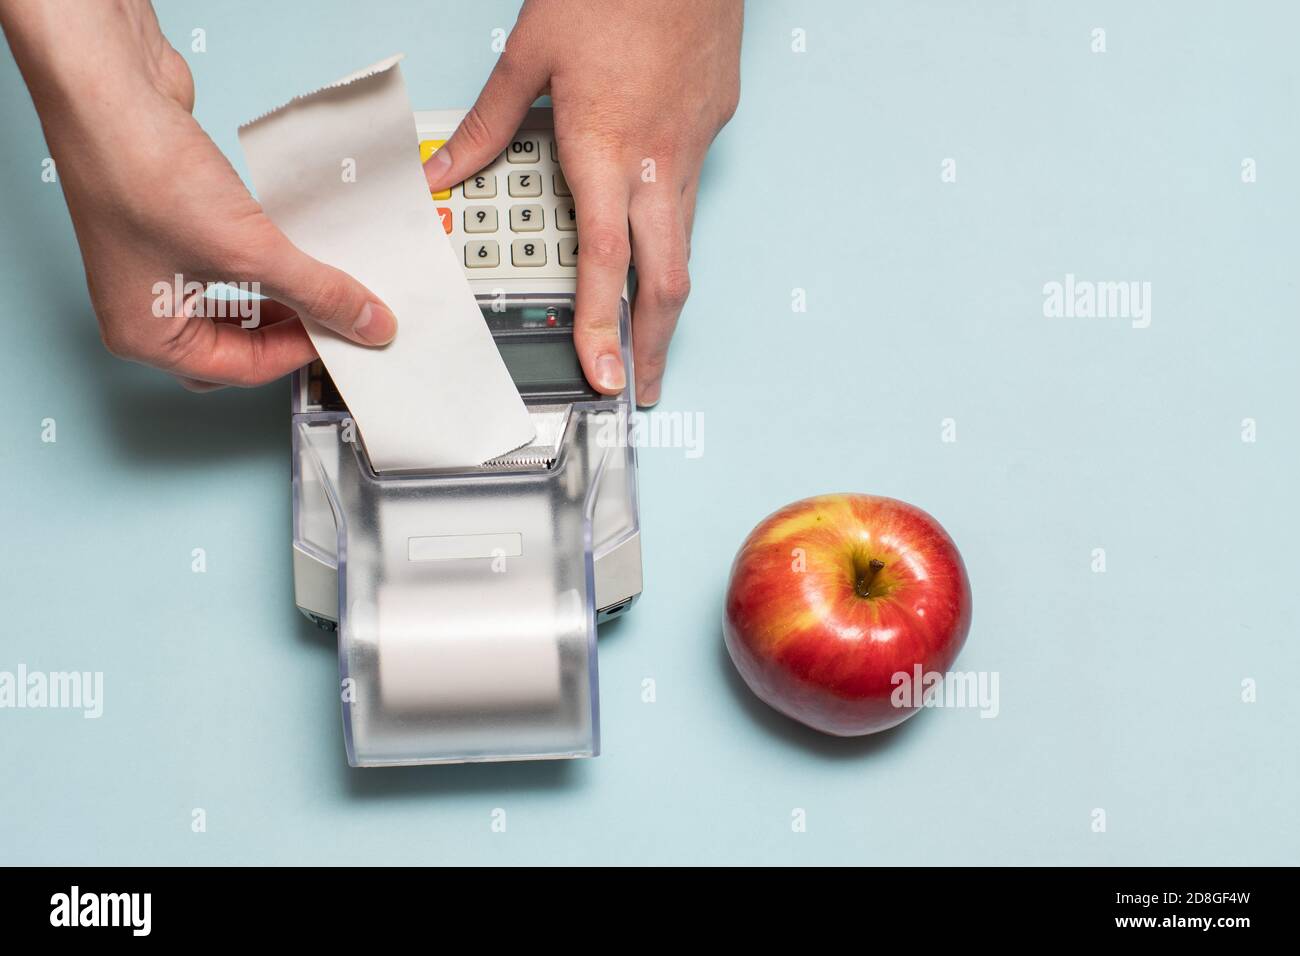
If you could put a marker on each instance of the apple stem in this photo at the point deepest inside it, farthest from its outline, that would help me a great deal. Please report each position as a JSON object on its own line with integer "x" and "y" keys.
{"x": 868, "y": 577}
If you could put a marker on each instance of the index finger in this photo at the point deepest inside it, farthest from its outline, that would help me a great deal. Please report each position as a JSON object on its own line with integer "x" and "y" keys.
{"x": 600, "y": 195}
{"x": 194, "y": 347}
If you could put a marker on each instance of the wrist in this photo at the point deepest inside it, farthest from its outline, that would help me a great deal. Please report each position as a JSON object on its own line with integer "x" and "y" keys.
{"x": 79, "y": 57}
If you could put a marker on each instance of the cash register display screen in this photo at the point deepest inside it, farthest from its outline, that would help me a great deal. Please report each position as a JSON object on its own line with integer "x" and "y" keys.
{"x": 536, "y": 343}
{"x": 550, "y": 365}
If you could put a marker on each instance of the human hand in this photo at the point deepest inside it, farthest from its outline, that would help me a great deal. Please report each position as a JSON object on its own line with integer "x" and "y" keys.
{"x": 639, "y": 92}
{"x": 151, "y": 198}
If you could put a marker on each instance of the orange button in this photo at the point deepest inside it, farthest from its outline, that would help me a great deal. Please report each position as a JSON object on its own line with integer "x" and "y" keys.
{"x": 445, "y": 215}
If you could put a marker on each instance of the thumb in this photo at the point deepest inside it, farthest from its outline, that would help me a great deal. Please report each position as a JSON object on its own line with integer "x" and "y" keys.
{"x": 325, "y": 295}
{"x": 486, "y": 129}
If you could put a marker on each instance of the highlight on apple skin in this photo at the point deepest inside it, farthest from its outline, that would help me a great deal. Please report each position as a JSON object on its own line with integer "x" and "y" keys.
{"x": 832, "y": 596}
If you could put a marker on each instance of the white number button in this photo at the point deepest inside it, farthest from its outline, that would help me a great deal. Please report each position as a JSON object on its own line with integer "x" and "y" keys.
{"x": 568, "y": 252}
{"x": 526, "y": 218}
{"x": 566, "y": 218}
{"x": 528, "y": 252}
{"x": 561, "y": 185}
{"x": 523, "y": 151}
{"x": 527, "y": 183}
{"x": 482, "y": 255}
{"x": 483, "y": 186}
{"x": 481, "y": 219}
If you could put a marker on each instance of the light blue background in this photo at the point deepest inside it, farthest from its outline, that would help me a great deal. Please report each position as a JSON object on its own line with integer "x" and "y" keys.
{"x": 1118, "y": 690}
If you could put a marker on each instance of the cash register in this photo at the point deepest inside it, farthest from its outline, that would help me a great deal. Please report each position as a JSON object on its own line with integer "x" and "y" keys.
{"x": 466, "y": 601}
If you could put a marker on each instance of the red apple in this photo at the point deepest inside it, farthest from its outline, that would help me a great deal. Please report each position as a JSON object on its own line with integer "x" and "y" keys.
{"x": 833, "y": 596}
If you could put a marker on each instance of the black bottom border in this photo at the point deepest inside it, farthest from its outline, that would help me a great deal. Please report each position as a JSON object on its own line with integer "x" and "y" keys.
{"x": 1177, "y": 905}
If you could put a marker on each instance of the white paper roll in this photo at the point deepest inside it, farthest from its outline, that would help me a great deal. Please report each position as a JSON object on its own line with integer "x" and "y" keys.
{"x": 448, "y": 653}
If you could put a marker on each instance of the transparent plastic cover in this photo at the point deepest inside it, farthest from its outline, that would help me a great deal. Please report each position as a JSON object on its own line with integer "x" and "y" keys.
{"x": 466, "y": 602}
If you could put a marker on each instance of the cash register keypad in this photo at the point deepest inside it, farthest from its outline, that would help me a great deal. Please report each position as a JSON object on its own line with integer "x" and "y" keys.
{"x": 516, "y": 218}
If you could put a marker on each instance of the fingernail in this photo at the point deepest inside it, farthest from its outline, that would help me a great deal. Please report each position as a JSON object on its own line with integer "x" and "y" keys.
{"x": 649, "y": 394}
{"x": 375, "y": 324}
{"x": 437, "y": 165}
{"x": 609, "y": 373}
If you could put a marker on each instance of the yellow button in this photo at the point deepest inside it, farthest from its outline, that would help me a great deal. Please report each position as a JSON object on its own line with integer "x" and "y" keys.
{"x": 427, "y": 148}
